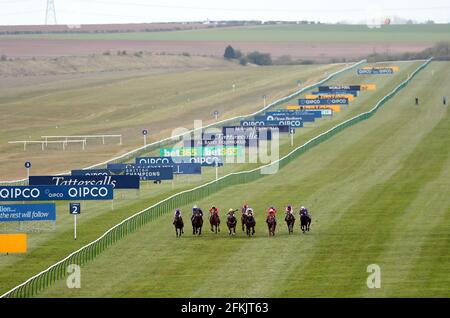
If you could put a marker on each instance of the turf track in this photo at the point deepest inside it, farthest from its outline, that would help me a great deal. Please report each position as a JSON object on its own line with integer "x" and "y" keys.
{"x": 378, "y": 193}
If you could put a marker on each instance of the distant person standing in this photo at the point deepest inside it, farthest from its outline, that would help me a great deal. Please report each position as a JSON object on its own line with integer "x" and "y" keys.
{"x": 444, "y": 100}
{"x": 417, "y": 100}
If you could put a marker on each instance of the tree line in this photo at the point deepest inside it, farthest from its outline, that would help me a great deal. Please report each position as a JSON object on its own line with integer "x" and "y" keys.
{"x": 255, "y": 57}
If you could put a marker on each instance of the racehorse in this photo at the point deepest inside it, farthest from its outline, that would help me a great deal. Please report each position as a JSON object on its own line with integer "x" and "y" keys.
{"x": 305, "y": 221}
{"x": 231, "y": 223}
{"x": 243, "y": 220}
{"x": 197, "y": 223}
{"x": 250, "y": 224}
{"x": 290, "y": 221}
{"x": 179, "y": 224}
{"x": 214, "y": 220}
{"x": 271, "y": 224}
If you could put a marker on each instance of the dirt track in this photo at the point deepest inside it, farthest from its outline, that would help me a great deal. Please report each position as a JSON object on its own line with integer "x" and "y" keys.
{"x": 315, "y": 51}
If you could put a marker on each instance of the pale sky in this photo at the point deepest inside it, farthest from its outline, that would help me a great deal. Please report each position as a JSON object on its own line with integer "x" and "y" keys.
{"x": 14, "y": 12}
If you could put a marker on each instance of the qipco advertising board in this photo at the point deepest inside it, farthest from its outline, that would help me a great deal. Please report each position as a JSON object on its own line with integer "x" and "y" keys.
{"x": 144, "y": 172}
{"x": 323, "y": 101}
{"x": 118, "y": 182}
{"x": 55, "y": 193}
{"x": 206, "y": 161}
{"x": 219, "y": 139}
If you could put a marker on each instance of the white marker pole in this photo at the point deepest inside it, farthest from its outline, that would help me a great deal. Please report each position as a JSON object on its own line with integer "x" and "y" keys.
{"x": 217, "y": 171}
{"x": 75, "y": 226}
{"x": 145, "y": 132}
{"x": 28, "y": 166}
{"x": 292, "y": 131}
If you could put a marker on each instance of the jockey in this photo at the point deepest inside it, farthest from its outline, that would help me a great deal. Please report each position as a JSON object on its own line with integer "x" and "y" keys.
{"x": 213, "y": 211}
{"x": 244, "y": 208}
{"x": 304, "y": 211}
{"x": 271, "y": 211}
{"x": 289, "y": 209}
{"x": 177, "y": 215}
{"x": 196, "y": 210}
{"x": 231, "y": 212}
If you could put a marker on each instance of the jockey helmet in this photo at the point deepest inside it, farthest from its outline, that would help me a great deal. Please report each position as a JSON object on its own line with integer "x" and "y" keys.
{"x": 302, "y": 208}
{"x": 230, "y": 210}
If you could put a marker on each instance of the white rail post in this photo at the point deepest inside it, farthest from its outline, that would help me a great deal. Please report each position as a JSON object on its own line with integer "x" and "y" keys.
{"x": 75, "y": 226}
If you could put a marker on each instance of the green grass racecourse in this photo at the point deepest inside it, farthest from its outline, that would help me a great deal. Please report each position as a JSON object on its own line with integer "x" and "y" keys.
{"x": 378, "y": 193}
{"x": 278, "y": 33}
{"x": 46, "y": 248}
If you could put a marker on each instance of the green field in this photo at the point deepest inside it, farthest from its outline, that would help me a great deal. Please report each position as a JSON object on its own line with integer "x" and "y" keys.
{"x": 279, "y": 33}
{"x": 355, "y": 186}
{"x": 378, "y": 193}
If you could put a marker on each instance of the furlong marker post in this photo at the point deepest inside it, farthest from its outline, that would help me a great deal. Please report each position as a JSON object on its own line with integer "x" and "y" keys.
{"x": 145, "y": 133}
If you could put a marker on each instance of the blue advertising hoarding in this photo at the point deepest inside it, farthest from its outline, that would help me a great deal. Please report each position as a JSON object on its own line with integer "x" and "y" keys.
{"x": 323, "y": 101}
{"x": 336, "y": 92}
{"x": 207, "y": 161}
{"x": 375, "y": 71}
{"x": 188, "y": 168}
{"x": 55, "y": 193}
{"x": 229, "y": 138}
{"x": 157, "y": 172}
{"x": 340, "y": 88}
{"x": 117, "y": 181}
{"x": 263, "y": 133}
{"x": 154, "y": 161}
{"x": 251, "y": 123}
{"x": 300, "y": 112}
{"x": 281, "y": 129}
{"x": 143, "y": 171}
{"x": 27, "y": 212}
{"x": 303, "y": 118}
{"x": 91, "y": 172}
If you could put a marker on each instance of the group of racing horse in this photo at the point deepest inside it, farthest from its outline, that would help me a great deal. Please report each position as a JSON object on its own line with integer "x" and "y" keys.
{"x": 247, "y": 220}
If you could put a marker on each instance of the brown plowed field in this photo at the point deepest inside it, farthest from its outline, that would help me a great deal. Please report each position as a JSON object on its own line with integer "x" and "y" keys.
{"x": 319, "y": 51}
